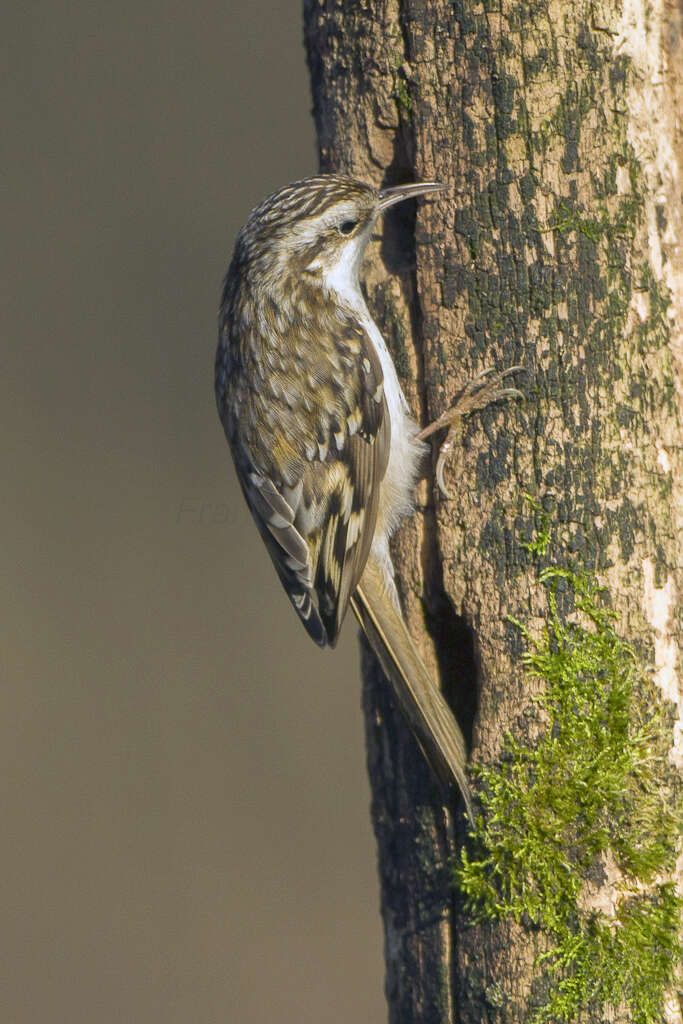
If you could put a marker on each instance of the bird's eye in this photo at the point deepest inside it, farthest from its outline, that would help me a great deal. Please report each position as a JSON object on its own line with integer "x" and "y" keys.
{"x": 347, "y": 226}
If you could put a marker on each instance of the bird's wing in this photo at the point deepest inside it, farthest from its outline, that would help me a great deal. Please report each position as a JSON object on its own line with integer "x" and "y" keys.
{"x": 311, "y": 444}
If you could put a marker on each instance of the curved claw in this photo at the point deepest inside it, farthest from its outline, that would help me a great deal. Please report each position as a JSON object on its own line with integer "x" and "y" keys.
{"x": 441, "y": 483}
{"x": 509, "y": 393}
{"x": 513, "y": 369}
{"x": 500, "y": 373}
{"x": 441, "y": 465}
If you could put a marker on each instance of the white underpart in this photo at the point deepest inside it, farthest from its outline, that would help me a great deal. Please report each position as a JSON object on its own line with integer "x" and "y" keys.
{"x": 405, "y": 452}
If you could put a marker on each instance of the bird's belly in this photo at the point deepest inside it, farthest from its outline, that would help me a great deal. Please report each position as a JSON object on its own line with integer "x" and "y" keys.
{"x": 405, "y": 451}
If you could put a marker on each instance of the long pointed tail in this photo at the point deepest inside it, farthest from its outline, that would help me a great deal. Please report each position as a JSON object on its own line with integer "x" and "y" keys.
{"x": 429, "y": 716}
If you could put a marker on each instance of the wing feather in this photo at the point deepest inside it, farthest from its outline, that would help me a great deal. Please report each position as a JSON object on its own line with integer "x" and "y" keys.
{"x": 311, "y": 447}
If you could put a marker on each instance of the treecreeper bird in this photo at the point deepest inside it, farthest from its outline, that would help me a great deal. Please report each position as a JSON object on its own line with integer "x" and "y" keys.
{"x": 326, "y": 450}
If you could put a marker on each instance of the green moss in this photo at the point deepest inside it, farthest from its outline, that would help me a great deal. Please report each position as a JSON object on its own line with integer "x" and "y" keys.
{"x": 538, "y": 545}
{"x": 401, "y": 93}
{"x": 595, "y": 788}
{"x": 570, "y": 220}
{"x": 625, "y": 962}
{"x": 400, "y": 90}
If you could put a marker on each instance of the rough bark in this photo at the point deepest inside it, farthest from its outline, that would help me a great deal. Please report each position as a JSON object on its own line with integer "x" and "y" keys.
{"x": 557, "y": 127}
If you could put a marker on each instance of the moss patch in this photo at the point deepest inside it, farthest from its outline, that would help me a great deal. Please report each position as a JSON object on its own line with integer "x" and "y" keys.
{"x": 596, "y": 789}
{"x": 400, "y": 90}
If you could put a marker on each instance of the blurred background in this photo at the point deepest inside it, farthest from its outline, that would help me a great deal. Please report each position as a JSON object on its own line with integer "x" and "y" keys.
{"x": 185, "y": 831}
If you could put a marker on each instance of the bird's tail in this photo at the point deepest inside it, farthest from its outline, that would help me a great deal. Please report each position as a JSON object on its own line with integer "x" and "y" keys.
{"x": 429, "y": 716}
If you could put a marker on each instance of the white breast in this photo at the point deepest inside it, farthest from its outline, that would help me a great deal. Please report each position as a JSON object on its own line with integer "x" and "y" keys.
{"x": 406, "y": 452}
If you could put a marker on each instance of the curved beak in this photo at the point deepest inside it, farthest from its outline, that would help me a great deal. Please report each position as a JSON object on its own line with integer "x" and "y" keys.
{"x": 389, "y": 196}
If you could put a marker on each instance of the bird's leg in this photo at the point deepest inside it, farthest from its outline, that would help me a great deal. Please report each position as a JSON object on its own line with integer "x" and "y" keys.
{"x": 482, "y": 390}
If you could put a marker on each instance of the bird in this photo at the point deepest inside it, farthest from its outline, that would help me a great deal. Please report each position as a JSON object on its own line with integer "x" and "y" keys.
{"x": 325, "y": 447}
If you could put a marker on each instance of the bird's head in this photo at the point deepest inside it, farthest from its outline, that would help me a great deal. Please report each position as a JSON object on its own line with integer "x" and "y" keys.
{"x": 318, "y": 229}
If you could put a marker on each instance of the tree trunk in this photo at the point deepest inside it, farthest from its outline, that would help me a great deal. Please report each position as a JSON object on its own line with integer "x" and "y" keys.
{"x": 557, "y": 127}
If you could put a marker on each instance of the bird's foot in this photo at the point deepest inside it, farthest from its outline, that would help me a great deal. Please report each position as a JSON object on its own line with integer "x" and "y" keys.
{"x": 479, "y": 392}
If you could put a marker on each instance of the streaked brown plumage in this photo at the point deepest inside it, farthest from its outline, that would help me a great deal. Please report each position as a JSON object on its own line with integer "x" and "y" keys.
{"x": 323, "y": 442}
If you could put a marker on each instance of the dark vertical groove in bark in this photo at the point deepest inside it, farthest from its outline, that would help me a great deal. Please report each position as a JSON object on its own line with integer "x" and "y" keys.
{"x": 414, "y": 839}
